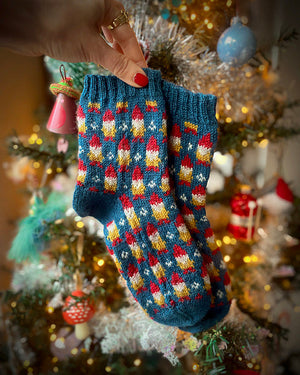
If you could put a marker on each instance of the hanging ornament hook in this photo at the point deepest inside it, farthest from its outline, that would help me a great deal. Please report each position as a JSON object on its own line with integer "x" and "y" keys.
{"x": 63, "y": 73}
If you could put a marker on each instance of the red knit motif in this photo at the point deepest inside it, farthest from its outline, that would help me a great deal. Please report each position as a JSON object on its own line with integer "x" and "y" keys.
{"x": 110, "y": 182}
{"x": 198, "y": 197}
{"x": 157, "y": 243}
{"x": 152, "y": 152}
{"x": 183, "y": 260}
{"x": 165, "y": 182}
{"x": 175, "y": 140}
{"x": 157, "y": 268}
{"x": 121, "y": 107}
{"x": 95, "y": 142}
{"x": 81, "y": 173}
{"x": 158, "y": 208}
{"x": 134, "y": 246}
{"x": 94, "y": 107}
{"x": 180, "y": 288}
{"x": 186, "y": 171}
{"x": 80, "y": 112}
{"x": 138, "y": 186}
{"x": 135, "y": 278}
{"x": 108, "y": 116}
{"x": 138, "y": 128}
{"x": 203, "y": 154}
{"x": 189, "y": 219}
{"x": 124, "y": 154}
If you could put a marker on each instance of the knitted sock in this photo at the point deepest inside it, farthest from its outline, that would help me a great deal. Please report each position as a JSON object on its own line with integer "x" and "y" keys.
{"x": 123, "y": 182}
{"x": 193, "y": 136}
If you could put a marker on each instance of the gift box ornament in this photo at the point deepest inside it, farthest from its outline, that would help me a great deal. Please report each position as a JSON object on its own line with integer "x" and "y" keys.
{"x": 243, "y": 214}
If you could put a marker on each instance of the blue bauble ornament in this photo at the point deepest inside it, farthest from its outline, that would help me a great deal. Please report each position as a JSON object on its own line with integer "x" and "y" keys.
{"x": 237, "y": 44}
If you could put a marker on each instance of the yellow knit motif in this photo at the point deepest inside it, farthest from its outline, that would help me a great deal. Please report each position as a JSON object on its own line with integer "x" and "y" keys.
{"x": 165, "y": 186}
{"x": 110, "y": 184}
{"x": 185, "y": 263}
{"x": 186, "y": 174}
{"x": 181, "y": 291}
{"x": 124, "y": 157}
{"x": 138, "y": 188}
{"x": 121, "y": 105}
{"x": 159, "y": 298}
{"x": 93, "y": 106}
{"x": 109, "y": 130}
{"x": 158, "y": 243}
{"x": 152, "y": 161}
{"x": 81, "y": 126}
{"x": 196, "y": 201}
{"x": 190, "y": 126}
{"x": 160, "y": 213}
{"x": 138, "y": 129}
{"x": 132, "y": 218}
{"x": 184, "y": 234}
{"x": 174, "y": 145}
{"x": 151, "y": 103}
{"x": 81, "y": 176}
{"x": 113, "y": 233}
{"x": 203, "y": 156}
{"x": 163, "y": 128}
{"x": 138, "y": 282}
{"x": 158, "y": 271}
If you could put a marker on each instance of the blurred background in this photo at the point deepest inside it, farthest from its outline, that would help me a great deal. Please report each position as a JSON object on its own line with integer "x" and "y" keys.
{"x": 25, "y": 101}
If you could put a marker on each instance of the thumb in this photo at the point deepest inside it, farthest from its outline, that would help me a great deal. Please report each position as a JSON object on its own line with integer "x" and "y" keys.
{"x": 118, "y": 64}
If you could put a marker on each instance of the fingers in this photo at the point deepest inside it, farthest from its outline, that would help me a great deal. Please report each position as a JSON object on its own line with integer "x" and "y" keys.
{"x": 117, "y": 63}
{"x": 126, "y": 39}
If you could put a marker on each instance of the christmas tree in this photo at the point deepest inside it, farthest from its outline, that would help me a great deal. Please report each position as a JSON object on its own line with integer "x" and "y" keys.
{"x": 68, "y": 308}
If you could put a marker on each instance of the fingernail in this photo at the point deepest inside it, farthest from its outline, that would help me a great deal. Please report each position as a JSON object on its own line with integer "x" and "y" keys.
{"x": 141, "y": 79}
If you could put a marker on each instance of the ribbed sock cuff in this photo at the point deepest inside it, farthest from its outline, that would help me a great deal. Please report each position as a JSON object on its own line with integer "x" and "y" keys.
{"x": 98, "y": 86}
{"x": 187, "y": 104}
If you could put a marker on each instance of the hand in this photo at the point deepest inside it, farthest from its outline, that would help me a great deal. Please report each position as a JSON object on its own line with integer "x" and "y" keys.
{"x": 70, "y": 31}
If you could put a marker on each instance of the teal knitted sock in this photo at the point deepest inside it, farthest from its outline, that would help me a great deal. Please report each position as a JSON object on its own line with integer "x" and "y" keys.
{"x": 123, "y": 182}
{"x": 193, "y": 136}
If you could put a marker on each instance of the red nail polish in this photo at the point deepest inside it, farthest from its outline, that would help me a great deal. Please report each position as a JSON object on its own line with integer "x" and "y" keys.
{"x": 141, "y": 79}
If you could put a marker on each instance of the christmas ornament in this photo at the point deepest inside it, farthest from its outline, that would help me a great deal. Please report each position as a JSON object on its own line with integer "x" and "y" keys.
{"x": 66, "y": 344}
{"x": 63, "y": 116}
{"x": 237, "y": 44}
{"x": 78, "y": 310}
{"x": 243, "y": 212}
{"x": 280, "y": 201}
{"x": 216, "y": 182}
{"x": 62, "y": 145}
{"x": 33, "y": 235}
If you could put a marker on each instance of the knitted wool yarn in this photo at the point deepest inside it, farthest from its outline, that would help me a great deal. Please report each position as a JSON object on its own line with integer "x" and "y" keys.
{"x": 123, "y": 182}
{"x": 193, "y": 135}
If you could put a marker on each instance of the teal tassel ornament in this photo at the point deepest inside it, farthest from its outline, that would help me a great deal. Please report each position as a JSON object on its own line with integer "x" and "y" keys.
{"x": 33, "y": 235}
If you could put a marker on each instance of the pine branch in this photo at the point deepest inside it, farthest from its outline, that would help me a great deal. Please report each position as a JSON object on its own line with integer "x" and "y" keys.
{"x": 274, "y": 328}
{"x": 18, "y": 148}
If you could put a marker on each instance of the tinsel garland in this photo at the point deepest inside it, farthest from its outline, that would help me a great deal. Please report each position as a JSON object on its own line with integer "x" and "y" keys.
{"x": 251, "y": 104}
{"x": 130, "y": 330}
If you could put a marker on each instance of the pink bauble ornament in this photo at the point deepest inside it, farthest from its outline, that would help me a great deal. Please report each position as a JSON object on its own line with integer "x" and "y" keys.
{"x": 63, "y": 116}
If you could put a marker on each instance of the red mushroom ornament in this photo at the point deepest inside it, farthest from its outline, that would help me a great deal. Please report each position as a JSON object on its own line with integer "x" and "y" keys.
{"x": 78, "y": 311}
